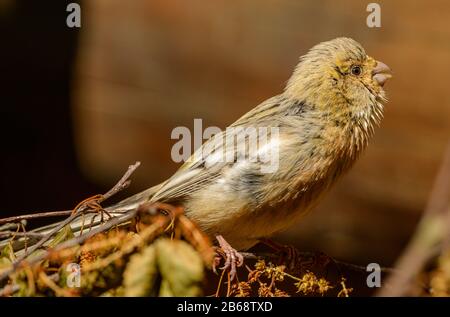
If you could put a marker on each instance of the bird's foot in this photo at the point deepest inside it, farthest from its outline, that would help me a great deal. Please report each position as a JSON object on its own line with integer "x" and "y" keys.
{"x": 296, "y": 260}
{"x": 289, "y": 255}
{"x": 233, "y": 259}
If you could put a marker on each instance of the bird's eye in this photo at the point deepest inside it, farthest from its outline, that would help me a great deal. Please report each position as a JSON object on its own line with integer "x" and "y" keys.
{"x": 356, "y": 70}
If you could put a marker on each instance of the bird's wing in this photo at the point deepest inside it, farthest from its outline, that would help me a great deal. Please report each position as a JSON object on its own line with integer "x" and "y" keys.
{"x": 263, "y": 111}
{"x": 194, "y": 174}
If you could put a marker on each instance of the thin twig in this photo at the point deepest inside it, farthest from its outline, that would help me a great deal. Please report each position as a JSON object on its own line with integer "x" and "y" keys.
{"x": 123, "y": 183}
{"x": 9, "y": 290}
{"x": 120, "y": 185}
{"x": 12, "y": 288}
{"x": 105, "y": 227}
{"x": 74, "y": 241}
{"x": 272, "y": 256}
{"x": 35, "y": 216}
{"x": 361, "y": 268}
{"x": 46, "y": 237}
{"x": 219, "y": 284}
{"x": 429, "y": 238}
{"x": 9, "y": 233}
{"x": 44, "y": 278}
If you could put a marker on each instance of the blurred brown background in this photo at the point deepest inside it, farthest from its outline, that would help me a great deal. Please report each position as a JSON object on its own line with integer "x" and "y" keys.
{"x": 144, "y": 67}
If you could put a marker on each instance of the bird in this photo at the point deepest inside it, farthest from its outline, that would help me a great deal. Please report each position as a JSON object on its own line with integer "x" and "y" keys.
{"x": 325, "y": 117}
{"x": 321, "y": 123}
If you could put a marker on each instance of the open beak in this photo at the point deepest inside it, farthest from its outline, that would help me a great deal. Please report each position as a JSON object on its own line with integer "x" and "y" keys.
{"x": 381, "y": 73}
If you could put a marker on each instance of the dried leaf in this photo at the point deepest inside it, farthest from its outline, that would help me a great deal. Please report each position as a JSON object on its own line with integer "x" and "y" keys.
{"x": 6, "y": 256}
{"x": 181, "y": 268}
{"x": 141, "y": 273}
{"x": 63, "y": 235}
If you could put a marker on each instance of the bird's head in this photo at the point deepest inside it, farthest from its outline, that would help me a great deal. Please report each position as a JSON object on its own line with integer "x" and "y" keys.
{"x": 339, "y": 79}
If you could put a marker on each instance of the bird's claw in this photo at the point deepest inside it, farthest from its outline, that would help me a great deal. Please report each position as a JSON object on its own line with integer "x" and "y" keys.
{"x": 233, "y": 259}
{"x": 290, "y": 256}
{"x": 288, "y": 253}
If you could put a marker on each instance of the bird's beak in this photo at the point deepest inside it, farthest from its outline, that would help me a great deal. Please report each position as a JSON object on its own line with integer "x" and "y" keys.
{"x": 381, "y": 73}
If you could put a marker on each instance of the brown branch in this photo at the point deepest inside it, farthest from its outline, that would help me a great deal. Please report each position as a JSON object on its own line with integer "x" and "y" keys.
{"x": 9, "y": 233}
{"x": 351, "y": 266}
{"x": 9, "y": 290}
{"x": 80, "y": 239}
{"x": 46, "y": 237}
{"x": 120, "y": 185}
{"x": 123, "y": 183}
{"x": 36, "y": 215}
{"x": 72, "y": 242}
{"x": 431, "y": 234}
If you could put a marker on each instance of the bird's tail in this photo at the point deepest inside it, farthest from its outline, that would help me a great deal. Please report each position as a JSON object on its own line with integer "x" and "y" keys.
{"x": 134, "y": 201}
{"x": 116, "y": 210}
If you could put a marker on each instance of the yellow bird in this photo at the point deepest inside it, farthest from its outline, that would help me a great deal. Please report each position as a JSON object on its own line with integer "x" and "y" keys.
{"x": 317, "y": 128}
